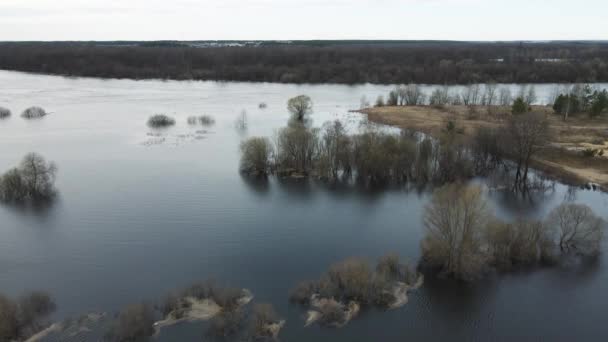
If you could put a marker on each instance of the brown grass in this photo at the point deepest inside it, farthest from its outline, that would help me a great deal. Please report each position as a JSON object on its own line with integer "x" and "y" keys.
{"x": 562, "y": 159}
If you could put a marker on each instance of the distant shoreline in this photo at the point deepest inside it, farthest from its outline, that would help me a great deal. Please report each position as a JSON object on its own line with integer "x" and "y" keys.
{"x": 316, "y": 62}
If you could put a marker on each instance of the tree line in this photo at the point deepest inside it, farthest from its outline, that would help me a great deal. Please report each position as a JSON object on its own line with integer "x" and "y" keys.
{"x": 376, "y": 156}
{"x": 363, "y": 62}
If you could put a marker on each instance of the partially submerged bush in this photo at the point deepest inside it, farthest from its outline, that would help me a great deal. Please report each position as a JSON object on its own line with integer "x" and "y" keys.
{"x": 33, "y": 113}
{"x": 204, "y": 120}
{"x": 4, "y": 113}
{"x": 228, "y": 298}
{"x": 160, "y": 120}
{"x": 134, "y": 323}
{"x": 20, "y": 320}
{"x": 33, "y": 180}
{"x": 227, "y": 323}
{"x": 455, "y": 221}
{"x": 9, "y": 325}
{"x": 522, "y": 243}
{"x": 34, "y": 306}
{"x": 256, "y": 154}
{"x": 263, "y": 320}
{"x": 336, "y": 296}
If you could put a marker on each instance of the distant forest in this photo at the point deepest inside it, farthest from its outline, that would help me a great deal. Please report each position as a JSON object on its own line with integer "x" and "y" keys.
{"x": 349, "y": 62}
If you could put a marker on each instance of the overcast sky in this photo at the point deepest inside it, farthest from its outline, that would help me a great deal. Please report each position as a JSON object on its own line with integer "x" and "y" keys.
{"x": 303, "y": 19}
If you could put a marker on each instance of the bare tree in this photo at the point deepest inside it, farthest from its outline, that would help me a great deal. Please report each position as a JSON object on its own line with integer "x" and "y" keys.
{"x": 489, "y": 96}
{"x": 470, "y": 96}
{"x": 256, "y": 154}
{"x": 520, "y": 243}
{"x": 334, "y": 150}
{"x": 296, "y": 148}
{"x": 527, "y": 134}
{"x": 33, "y": 180}
{"x": 505, "y": 98}
{"x": 38, "y": 175}
{"x": 455, "y": 221}
{"x": 439, "y": 97}
{"x": 300, "y": 107}
{"x": 241, "y": 121}
{"x": 578, "y": 229}
{"x": 413, "y": 95}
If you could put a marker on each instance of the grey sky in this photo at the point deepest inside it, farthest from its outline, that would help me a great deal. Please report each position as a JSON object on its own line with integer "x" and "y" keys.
{"x": 302, "y": 19}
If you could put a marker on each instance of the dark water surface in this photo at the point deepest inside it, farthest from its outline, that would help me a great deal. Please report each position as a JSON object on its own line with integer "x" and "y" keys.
{"x": 139, "y": 216}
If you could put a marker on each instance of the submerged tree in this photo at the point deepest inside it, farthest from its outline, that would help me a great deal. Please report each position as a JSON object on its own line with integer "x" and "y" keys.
{"x": 521, "y": 243}
{"x": 296, "y": 148}
{"x": 577, "y": 228}
{"x": 300, "y": 107}
{"x": 335, "y": 150}
{"x": 455, "y": 221}
{"x": 33, "y": 180}
{"x": 256, "y": 154}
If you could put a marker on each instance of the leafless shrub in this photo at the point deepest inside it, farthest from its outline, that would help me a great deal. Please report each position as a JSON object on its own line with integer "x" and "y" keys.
{"x": 300, "y": 107}
{"x": 241, "y": 121}
{"x": 204, "y": 120}
{"x": 20, "y": 320}
{"x": 523, "y": 243}
{"x": 134, "y": 323}
{"x": 160, "y": 120}
{"x": 227, "y": 323}
{"x": 9, "y": 324}
{"x": 33, "y": 113}
{"x": 303, "y": 291}
{"x": 4, "y": 113}
{"x": 263, "y": 315}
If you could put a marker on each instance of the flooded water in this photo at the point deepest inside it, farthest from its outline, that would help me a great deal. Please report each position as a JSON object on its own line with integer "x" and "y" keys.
{"x": 143, "y": 212}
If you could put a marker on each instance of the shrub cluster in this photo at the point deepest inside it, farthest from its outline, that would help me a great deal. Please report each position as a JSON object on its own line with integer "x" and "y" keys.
{"x": 463, "y": 238}
{"x": 24, "y": 317}
{"x": 374, "y": 156}
{"x": 355, "y": 280}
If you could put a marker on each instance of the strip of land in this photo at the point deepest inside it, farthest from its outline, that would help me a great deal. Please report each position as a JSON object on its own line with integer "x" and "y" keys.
{"x": 563, "y": 158}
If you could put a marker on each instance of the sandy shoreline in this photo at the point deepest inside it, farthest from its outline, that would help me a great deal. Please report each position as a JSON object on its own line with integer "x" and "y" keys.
{"x": 562, "y": 159}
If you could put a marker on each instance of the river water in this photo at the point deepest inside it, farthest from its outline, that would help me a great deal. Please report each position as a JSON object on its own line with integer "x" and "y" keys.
{"x": 143, "y": 212}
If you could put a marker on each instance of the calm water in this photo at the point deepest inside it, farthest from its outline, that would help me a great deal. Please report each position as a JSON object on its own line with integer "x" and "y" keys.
{"x": 140, "y": 215}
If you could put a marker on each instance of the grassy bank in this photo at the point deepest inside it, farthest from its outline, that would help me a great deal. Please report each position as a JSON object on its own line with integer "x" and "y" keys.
{"x": 563, "y": 158}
